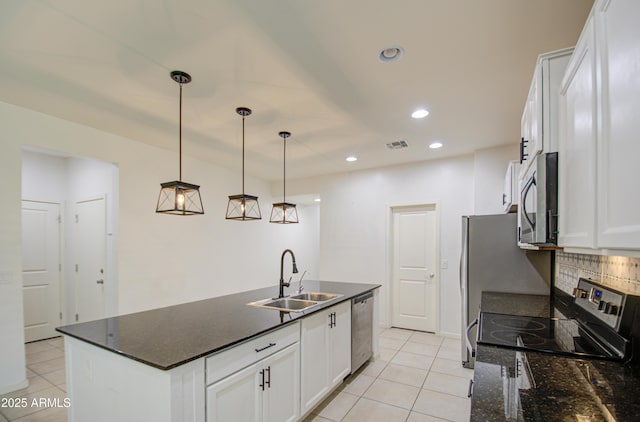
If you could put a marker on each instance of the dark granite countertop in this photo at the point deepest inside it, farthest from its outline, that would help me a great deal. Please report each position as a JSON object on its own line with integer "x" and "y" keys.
{"x": 172, "y": 336}
{"x": 563, "y": 388}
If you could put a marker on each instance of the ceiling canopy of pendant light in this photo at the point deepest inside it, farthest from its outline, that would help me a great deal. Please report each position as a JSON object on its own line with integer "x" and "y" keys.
{"x": 243, "y": 207}
{"x": 178, "y": 197}
{"x": 284, "y": 212}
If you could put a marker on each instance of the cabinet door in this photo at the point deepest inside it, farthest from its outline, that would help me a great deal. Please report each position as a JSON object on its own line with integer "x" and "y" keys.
{"x": 577, "y": 166}
{"x": 281, "y": 397}
{"x": 618, "y": 145}
{"x": 235, "y": 398}
{"x": 314, "y": 365}
{"x": 340, "y": 343}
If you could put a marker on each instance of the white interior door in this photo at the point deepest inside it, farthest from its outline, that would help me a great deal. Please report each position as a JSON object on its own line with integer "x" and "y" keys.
{"x": 41, "y": 269}
{"x": 90, "y": 258}
{"x": 415, "y": 275}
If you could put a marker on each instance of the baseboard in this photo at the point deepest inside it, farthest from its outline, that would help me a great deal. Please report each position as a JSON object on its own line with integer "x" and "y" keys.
{"x": 14, "y": 387}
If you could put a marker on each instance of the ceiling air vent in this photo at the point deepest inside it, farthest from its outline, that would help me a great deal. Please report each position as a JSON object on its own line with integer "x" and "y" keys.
{"x": 396, "y": 145}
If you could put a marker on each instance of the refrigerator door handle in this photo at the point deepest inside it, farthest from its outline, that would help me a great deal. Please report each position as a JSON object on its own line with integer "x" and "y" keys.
{"x": 466, "y": 338}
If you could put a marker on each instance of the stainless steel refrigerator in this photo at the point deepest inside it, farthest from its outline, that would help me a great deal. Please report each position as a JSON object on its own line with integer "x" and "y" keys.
{"x": 492, "y": 261}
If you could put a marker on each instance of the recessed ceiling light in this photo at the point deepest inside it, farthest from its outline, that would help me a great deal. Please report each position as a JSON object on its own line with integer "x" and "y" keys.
{"x": 391, "y": 54}
{"x": 435, "y": 145}
{"x": 317, "y": 200}
{"x": 351, "y": 158}
{"x": 420, "y": 113}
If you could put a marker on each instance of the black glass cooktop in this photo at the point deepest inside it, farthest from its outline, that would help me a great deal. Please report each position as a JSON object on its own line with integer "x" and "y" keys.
{"x": 548, "y": 335}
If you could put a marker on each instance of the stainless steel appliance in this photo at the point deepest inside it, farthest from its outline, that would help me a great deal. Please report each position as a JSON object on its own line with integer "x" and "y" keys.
{"x": 361, "y": 330}
{"x": 492, "y": 261}
{"x": 599, "y": 325}
{"x": 539, "y": 201}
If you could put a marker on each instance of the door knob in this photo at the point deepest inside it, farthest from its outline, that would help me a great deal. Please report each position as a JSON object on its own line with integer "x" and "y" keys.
{"x": 431, "y": 275}
{"x": 99, "y": 281}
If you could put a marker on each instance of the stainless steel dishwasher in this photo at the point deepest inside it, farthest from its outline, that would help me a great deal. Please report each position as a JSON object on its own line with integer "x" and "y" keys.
{"x": 361, "y": 330}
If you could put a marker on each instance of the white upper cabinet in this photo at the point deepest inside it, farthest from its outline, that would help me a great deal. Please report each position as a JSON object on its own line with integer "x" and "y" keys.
{"x": 576, "y": 155}
{"x": 539, "y": 125}
{"x": 618, "y": 44}
{"x": 598, "y": 171}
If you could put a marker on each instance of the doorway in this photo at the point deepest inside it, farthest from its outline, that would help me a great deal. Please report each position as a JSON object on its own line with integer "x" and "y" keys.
{"x": 41, "y": 269}
{"x": 90, "y": 242}
{"x": 415, "y": 275}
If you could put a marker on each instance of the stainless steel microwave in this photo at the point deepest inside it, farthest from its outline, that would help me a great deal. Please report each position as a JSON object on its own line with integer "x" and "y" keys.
{"x": 539, "y": 202}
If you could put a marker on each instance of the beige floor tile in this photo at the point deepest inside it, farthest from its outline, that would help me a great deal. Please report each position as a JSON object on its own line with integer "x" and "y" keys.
{"x": 55, "y": 377}
{"x": 452, "y": 343}
{"x": 357, "y": 384}
{"x": 391, "y": 343}
{"x": 404, "y": 375}
{"x": 452, "y": 354}
{"x": 47, "y": 366}
{"x": 53, "y": 393}
{"x": 37, "y": 347}
{"x": 374, "y": 368}
{"x": 387, "y": 354}
{"x": 448, "y": 384}
{"x": 36, "y": 383}
{"x": 419, "y": 417}
{"x": 412, "y": 360}
{"x": 45, "y": 355}
{"x": 63, "y": 387}
{"x": 56, "y": 342}
{"x": 2, "y": 418}
{"x": 336, "y": 406}
{"x": 451, "y": 367}
{"x": 426, "y": 338}
{"x": 397, "y": 333}
{"x": 443, "y": 406}
{"x": 420, "y": 348}
{"x": 315, "y": 418}
{"x": 372, "y": 411}
{"x": 47, "y": 415}
{"x": 393, "y": 393}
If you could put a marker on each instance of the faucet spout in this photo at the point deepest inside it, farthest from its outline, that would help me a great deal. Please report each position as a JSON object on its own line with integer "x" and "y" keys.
{"x": 282, "y": 284}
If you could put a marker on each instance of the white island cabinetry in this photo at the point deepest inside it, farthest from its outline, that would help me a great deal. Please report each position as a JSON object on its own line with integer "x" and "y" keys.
{"x": 326, "y": 353}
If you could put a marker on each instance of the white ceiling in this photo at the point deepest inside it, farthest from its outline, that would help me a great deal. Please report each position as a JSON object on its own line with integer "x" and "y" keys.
{"x": 307, "y": 66}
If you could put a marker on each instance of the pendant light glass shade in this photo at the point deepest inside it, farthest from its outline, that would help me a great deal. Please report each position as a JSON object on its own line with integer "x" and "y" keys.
{"x": 284, "y": 212}
{"x": 178, "y": 197}
{"x": 243, "y": 207}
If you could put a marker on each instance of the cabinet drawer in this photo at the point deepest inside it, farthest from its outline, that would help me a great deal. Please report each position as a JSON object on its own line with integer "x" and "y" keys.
{"x": 231, "y": 360}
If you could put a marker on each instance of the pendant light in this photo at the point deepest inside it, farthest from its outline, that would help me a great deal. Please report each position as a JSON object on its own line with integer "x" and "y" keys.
{"x": 284, "y": 212}
{"x": 243, "y": 207}
{"x": 178, "y": 197}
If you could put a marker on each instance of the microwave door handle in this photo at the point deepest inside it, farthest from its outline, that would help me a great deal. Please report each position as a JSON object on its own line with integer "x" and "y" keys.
{"x": 530, "y": 183}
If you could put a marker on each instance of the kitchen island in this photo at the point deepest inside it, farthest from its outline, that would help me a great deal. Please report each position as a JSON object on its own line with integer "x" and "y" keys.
{"x": 161, "y": 364}
{"x": 551, "y": 387}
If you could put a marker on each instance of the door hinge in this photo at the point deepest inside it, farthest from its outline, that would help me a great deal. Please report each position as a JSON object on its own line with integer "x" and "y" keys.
{"x": 76, "y": 267}
{"x": 77, "y": 318}
{"x": 59, "y": 219}
{"x": 60, "y": 316}
{"x": 59, "y": 267}
{"x": 77, "y": 218}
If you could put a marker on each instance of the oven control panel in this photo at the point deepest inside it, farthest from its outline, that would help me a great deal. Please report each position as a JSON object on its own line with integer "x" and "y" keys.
{"x": 601, "y": 301}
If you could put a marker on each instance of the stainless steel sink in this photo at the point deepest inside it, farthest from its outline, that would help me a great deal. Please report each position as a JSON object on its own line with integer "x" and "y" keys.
{"x": 315, "y": 296}
{"x": 286, "y": 304}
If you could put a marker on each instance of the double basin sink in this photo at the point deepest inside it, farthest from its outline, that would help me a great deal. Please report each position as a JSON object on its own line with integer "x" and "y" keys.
{"x": 295, "y": 303}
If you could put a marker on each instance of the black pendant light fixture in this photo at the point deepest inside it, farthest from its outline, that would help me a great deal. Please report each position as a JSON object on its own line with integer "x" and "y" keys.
{"x": 284, "y": 212}
{"x": 243, "y": 207}
{"x": 178, "y": 197}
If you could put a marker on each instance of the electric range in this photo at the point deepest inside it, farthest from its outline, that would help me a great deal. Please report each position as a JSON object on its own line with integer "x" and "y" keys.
{"x": 600, "y": 326}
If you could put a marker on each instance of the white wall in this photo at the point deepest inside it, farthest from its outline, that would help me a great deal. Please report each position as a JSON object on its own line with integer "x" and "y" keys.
{"x": 355, "y": 212}
{"x": 162, "y": 259}
{"x": 490, "y": 167}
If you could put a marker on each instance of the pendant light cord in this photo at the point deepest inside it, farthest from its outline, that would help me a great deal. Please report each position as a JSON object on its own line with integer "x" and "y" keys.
{"x": 284, "y": 172}
{"x": 243, "y": 158}
{"x": 180, "y": 134}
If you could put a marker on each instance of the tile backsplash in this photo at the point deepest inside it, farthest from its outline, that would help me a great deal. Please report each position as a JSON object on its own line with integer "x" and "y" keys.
{"x": 618, "y": 272}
